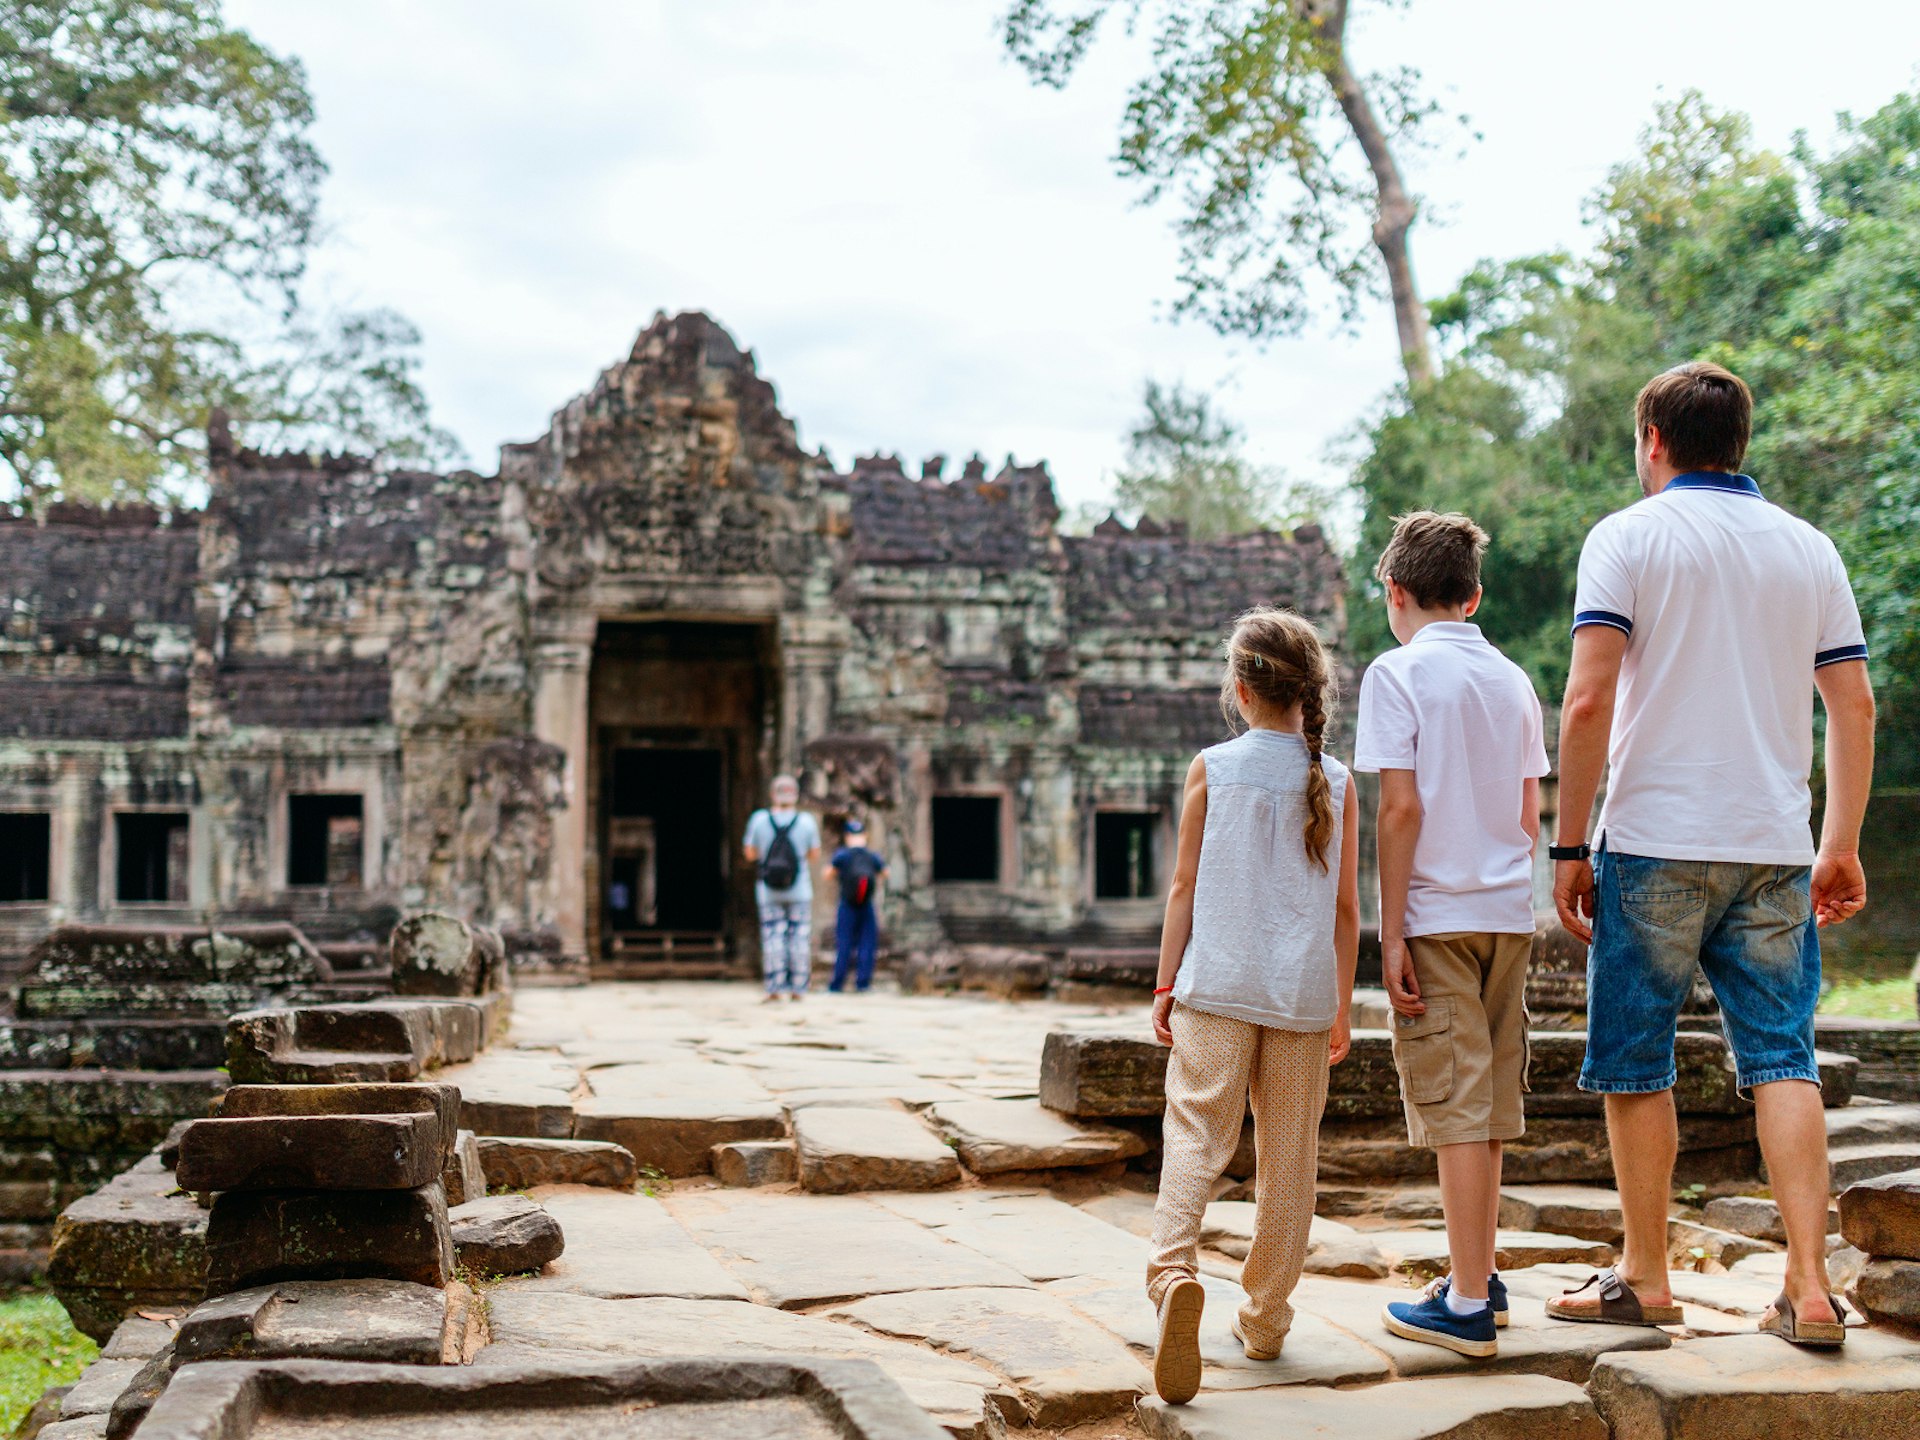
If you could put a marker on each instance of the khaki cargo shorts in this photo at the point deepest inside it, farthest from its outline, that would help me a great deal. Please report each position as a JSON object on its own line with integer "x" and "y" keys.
{"x": 1463, "y": 1064}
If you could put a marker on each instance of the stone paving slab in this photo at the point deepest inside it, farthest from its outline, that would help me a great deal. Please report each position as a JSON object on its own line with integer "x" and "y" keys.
{"x": 621, "y": 1246}
{"x": 993, "y": 1136}
{"x": 799, "y": 1250}
{"x": 1532, "y": 1344}
{"x": 515, "y": 1092}
{"x": 845, "y": 1149}
{"x": 1029, "y": 1231}
{"x": 964, "y": 1398}
{"x": 1757, "y": 1387}
{"x": 1505, "y": 1407}
{"x": 1316, "y": 1353}
{"x": 672, "y": 1114}
{"x": 1068, "y": 1370}
{"x": 1423, "y": 1253}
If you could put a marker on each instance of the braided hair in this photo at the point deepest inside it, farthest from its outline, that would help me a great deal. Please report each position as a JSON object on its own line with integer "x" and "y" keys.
{"x": 1279, "y": 658}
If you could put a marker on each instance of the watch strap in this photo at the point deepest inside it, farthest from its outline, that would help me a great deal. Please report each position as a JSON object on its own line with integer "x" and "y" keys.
{"x": 1582, "y": 851}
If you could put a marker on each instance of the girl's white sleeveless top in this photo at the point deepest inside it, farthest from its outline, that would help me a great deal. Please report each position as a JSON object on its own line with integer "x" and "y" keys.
{"x": 1262, "y": 944}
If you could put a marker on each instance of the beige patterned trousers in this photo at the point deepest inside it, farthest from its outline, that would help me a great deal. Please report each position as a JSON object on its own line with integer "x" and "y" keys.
{"x": 1217, "y": 1063}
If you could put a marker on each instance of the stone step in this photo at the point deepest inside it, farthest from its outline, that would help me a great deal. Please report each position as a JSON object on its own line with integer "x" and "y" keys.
{"x": 258, "y": 1236}
{"x": 1757, "y": 1217}
{"x": 842, "y": 1149}
{"x": 520, "y": 1163}
{"x": 1853, "y": 1163}
{"x": 672, "y": 1113}
{"x": 516, "y": 1093}
{"x": 746, "y": 1163}
{"x": 1710, "y": 1388}
{"x": 1491, "y": 1407}
{"x": 504, "y": 1235}
{"x": 1874, "y": 1124}
{"x": 383, "y": 1320}
{"x": 1591, "y": 1212}
{"x": 995, "y": 1136}
{"x": 135, "y": 1243}
{"x": 313, "y": 1152}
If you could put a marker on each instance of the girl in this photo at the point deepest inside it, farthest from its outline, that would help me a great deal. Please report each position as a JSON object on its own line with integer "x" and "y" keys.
{"x": 1256, "y": 980}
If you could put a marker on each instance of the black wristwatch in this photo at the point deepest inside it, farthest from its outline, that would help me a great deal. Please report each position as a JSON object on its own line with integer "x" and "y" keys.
{"x": 1581, "y": 851}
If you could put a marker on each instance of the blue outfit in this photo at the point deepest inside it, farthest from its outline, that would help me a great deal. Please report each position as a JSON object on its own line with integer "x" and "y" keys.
{"x": 1752, "y": 928}
{"x": 856, "y": 928}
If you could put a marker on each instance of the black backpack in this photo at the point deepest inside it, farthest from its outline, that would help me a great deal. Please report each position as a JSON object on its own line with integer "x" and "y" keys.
{"x": 860, "y": 867}
{"x": 780, "y": 866}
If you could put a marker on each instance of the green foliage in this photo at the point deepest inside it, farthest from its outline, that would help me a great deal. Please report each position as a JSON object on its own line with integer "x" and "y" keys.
{"x": 1185, "y": 465}
{"x": 154, "y": 166}
{"x": 1801, "y": 272}
{"x": 1890, "y": 999}
{"x": 38, "y": 1347}
{"x": 1249, "y": 120}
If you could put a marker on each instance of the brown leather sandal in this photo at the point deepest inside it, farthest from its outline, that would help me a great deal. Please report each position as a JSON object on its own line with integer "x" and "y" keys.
{"x": 1811, "y": 1334}
{"x": 1618, "y": 1305}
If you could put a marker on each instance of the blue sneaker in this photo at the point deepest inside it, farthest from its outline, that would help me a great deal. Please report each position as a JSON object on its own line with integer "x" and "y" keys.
{"x": 1497, "y": 1298}
{"x": 1429, "y": 1321}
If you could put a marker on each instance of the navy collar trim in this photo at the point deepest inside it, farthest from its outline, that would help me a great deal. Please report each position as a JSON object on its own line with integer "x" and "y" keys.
{"x": 1715, "y": 480}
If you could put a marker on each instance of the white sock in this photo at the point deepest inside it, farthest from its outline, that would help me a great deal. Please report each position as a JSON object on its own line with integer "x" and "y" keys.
{"x": 1461, "y": 1305}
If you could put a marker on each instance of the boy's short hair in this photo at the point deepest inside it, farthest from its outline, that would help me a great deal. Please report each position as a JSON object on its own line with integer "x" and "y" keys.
{"x": 1435, "y": 558}
{"x": 1703, "y": 411}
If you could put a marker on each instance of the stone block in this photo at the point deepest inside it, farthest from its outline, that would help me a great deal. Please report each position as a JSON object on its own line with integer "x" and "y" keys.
{"x": 672, "y": 1113}
{"x": 730, "y": 1396}
{"x": 254, "y": 1237}
{"x": 440, "y": 1100}
{"x": 98, "y": 1387}
{"x": 516, "y": 1093}
{"x": 1491, "y": 1407}
{"x": 134, "y": 1243}
{"x": 754, "y": 1162}
{"x": 1589, "y": 1212}
{"x": 1839, "y": 1074}
{"x": 130, "y": 1407}
{"x": 1753, "y": 1385}
{"x": 1874, "y": 1122}
{"x": 313, "y": 1152}
{"x": 138, "y": 1338}
{"x": 262, "y": 1049}
{"x": 520, "y": 1163}
{"x": 1689, "y": 1241}
{"x": 1092, "y": 1075}
{"x": 463, "y": 1178}
{"x": 854, "y": 1148}
{"x": 1888, "y": 1052}
{"x": 993, "y": 1136}
{"x": 1881, "y": 1215}
{"x": 86, "y": 1427}
{"x": 1760, "y": 1218}
{"x": 435, "y": 954}
{"x": 504, "y": 1235}
{"x": 1851, "y": 1164}
{"x": 387, "y": 1320}
{"x": 1889, "y": 1290}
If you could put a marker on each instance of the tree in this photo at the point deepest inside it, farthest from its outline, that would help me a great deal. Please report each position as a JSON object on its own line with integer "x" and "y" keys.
{"x": 1185, "y": 465}
{"x": 155, "y": 165}
{"x": 1252, "y": 114}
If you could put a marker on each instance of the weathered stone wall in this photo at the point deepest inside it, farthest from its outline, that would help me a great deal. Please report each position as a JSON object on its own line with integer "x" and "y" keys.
{"x": 440, "y": 646}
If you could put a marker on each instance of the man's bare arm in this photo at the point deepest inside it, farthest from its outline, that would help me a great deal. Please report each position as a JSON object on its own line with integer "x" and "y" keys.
{"x": 1839, "y": 881}
{"x": 1586, "y": 727}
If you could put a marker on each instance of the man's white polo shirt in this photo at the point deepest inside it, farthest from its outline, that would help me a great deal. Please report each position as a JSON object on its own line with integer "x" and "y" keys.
{"x": 1729, "y": 605}
{"x": 1451, "y": 708}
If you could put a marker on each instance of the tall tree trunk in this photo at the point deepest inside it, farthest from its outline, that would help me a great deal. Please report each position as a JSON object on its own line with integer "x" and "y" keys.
{"x": 1396, "y": 213}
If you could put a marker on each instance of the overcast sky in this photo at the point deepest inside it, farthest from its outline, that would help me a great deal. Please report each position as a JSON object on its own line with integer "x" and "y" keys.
{"x": 925, "y": 252}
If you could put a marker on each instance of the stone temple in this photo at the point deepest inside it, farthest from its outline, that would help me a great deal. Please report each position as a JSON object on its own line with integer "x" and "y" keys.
{"x": 548, "y": 698}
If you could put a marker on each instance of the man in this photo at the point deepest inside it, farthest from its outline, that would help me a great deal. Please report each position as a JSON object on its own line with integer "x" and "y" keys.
{"x": 1705, "y": 618}
{"x": 857, "y": 867}
{"x": 783, "y": 843}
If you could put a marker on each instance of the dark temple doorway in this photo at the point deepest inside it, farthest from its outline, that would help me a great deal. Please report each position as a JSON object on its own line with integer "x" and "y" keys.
{"x": 683, "y": 722}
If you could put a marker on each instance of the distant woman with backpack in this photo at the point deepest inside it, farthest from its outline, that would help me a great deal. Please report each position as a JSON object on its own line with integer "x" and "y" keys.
{"x": 856, "y": 930}
{"x": 782, "y": 843}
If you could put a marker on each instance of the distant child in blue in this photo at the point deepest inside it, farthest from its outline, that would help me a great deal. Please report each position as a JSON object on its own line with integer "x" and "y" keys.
{"x": 856, "y": 931}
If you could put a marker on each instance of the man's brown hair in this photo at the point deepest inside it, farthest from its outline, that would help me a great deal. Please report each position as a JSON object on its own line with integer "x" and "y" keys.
{"x": 1434, "y": 558}
{"x": 1704, "y": 413}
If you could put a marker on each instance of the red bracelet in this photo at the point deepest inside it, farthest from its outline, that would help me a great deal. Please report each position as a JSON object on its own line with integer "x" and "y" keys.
{"x": 1164, "y": 990}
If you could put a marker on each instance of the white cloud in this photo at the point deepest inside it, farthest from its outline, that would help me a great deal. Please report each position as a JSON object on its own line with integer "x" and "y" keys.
{"x": 925, "y": 252}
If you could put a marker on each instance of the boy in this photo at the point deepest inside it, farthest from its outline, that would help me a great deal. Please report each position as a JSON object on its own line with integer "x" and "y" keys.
{"x": 856, "y": 929}
{"x": 1454, "y": 729}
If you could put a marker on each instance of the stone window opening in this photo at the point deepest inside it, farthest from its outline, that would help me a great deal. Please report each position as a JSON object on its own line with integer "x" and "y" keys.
{"x": 325, "y": 840}
{"x": 1123, "y": 859}
{"x": 966, "y": 839}
{"x": 150, "y": 863}
{"x": 26, "y": 858}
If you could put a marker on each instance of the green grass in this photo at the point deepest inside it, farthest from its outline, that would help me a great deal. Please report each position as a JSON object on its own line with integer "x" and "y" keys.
{"x": 38, "y": 1347}
{"x": 1889, "y": 999}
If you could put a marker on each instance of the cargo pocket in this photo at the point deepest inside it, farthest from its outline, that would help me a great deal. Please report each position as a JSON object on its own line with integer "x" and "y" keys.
{"x": 1526, "y": 1051}
{"x": 1423, "y": 1049}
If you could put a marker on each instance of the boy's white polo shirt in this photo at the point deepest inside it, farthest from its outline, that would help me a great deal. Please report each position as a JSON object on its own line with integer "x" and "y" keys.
{"x": 1729, "y": 605}
{"x": 1451, "y": 708}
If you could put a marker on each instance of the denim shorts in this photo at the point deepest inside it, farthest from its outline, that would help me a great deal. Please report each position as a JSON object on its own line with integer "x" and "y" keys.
{"x": 1749, "y": 927}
